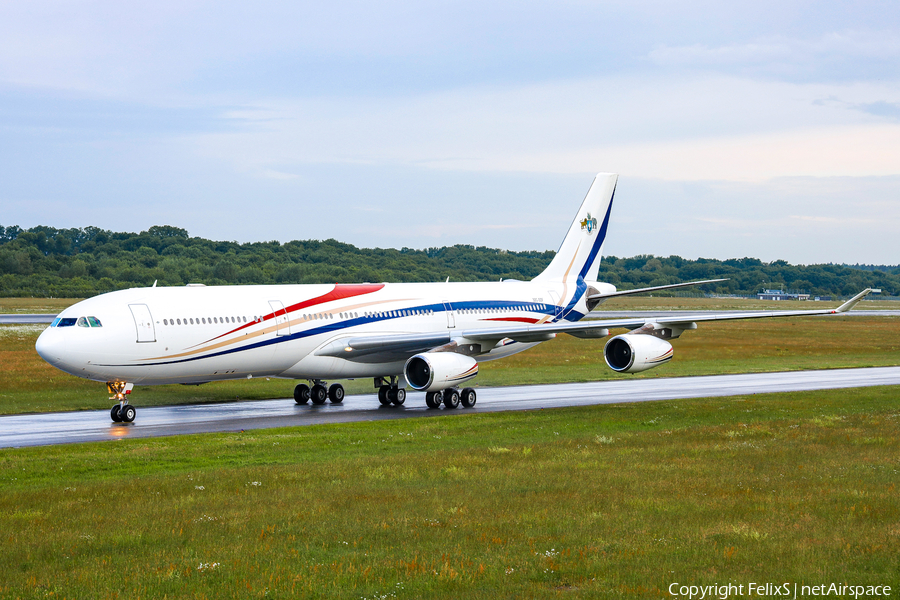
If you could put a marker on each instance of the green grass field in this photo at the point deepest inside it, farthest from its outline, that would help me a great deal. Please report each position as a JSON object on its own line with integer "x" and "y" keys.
{"x": 615, "y": 501}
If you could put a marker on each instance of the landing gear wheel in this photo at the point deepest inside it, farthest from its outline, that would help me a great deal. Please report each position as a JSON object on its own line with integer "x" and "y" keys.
{"x": 397, "y": 396}
{"x": 433, "y": 399}
{"x": 318, "y": 394}
{"x": 451, "y": 398}
{"x": 383, "y": 395}
{"x": 114, "y": 413}
{"x": 336, "y": 393}
{"x": 301, "y": 393}
{"x": 467, "y": 397}
{"x": 127, "y": 413}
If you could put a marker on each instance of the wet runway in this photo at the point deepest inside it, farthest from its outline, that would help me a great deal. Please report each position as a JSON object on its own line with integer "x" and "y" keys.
{"x": 86, "y": 426}
{"x": 16, "y": 319}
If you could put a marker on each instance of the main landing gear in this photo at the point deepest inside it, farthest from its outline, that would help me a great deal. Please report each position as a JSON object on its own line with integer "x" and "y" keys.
{"x": 390, "y": 393}
{"x": 451, "y": 398}
{"x": 121, "y": 412}
{"x": 318, "y": 393}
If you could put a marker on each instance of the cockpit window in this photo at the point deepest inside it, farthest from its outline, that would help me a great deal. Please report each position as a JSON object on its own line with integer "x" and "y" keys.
{"x": 80, "y": 321}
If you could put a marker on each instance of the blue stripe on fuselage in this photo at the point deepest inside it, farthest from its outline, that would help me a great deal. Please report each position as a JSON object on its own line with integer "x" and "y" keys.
{"x": 378, "y": 316}
{"x": 580, "y": 290}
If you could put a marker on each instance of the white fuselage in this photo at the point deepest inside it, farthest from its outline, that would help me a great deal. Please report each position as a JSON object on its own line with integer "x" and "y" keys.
{"x": 196, "y": 334}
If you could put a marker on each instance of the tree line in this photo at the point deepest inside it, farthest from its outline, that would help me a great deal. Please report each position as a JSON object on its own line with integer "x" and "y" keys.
{"x": 82, "y": 262}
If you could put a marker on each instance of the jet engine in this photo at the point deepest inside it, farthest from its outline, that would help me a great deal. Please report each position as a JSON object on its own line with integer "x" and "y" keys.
{"x": 632, "y": 353}
{"x": 433, "y": 371}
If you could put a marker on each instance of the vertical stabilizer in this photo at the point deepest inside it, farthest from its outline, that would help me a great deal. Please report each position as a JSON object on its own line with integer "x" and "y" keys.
{"x": 579, "y": 254}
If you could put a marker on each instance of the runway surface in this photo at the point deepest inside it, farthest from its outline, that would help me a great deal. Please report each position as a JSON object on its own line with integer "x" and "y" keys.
{"x": 85, "y": 426}
{"x": 16, "y": 319}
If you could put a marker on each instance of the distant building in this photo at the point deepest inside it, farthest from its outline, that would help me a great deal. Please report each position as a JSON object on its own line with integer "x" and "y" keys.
{"x": 780, "y": 295}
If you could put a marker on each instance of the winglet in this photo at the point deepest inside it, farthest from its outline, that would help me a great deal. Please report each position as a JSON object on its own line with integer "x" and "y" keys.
{"x": 852, "y": 301}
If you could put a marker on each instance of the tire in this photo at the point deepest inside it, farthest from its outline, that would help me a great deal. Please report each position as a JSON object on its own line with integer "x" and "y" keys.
{"x": 127, "y": 413}
{"x": 336, "y": 393}
{"x": 397, "y": 396}
{"x": 468, "y": 397}
{"x": 383, "y": 395}
{"x": 318, "y": 394}
{"x": 433, "y": 399}
{"x": 114, "y": 413}
{"x": 301, "y": 393}
{"x": 451, "y": 398}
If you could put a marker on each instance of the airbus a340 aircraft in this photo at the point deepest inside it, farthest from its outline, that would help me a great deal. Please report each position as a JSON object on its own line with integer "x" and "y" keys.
{"x": 427, "y": 336}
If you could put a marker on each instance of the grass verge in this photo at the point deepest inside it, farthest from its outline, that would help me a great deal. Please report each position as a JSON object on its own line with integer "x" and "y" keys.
{"x": 600, "y": 502}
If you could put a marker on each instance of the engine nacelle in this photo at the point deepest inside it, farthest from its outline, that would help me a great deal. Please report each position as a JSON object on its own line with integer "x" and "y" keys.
{"x": 433, "y": 371}
{"x": 630, "y": 353}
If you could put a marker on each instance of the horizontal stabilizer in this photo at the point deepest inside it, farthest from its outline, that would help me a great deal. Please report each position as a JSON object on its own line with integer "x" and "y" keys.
{"x": 602, "y": 296}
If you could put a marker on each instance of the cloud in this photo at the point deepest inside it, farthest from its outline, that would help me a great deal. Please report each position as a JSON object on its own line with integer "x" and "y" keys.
{"x": 831, "y": 55}
{"x": 890, "y": 110}
{"x": 685, "y": 128}
{"x": 800, "y": 219}
{"x": 273, "y": 174}
{"x": 476, "y": 116}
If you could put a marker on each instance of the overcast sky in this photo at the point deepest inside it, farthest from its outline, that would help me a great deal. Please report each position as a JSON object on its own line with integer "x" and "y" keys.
{"x": 769, "y": 130}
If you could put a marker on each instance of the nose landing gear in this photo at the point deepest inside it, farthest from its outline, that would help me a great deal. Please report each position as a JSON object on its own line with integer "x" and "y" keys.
{"x": 121, "y": 412}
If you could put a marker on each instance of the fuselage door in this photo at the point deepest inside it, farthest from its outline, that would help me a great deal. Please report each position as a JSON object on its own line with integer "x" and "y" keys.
{"x": 281, "y": 318}
{"x": 143, "y": 322}
{"x": 557, "y": 310}
{"x": 451, "y": 320}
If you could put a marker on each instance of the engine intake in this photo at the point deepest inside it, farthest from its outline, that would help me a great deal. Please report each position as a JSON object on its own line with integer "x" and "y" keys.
{"x": 632, "y": 353}
{"x": 433, "y": 371}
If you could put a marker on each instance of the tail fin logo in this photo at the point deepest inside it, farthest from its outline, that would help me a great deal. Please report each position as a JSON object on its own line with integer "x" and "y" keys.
{"x": 589, "y": 223}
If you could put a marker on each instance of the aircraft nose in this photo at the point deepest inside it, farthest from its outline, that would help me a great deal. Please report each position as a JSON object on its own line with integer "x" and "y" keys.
{"x": 51, "y": 346}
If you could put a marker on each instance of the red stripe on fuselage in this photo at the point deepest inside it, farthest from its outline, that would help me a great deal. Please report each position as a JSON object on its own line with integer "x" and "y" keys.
{"x": 514, "y": 319}
{"x": 340, "y": 291}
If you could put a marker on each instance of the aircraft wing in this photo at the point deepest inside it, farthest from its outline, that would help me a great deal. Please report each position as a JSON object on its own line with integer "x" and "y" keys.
{"x": 381, "y": 348}
{"x": 595, "y": 327}
{"x": 378, "y": 348}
